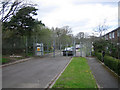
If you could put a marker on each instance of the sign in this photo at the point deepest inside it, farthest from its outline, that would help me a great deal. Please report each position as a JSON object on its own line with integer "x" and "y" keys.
{"x": 39, "y": 49}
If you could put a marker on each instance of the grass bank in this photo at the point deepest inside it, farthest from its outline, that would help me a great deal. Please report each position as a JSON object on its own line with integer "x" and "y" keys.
{"x": 76, "y": 75}
{"x": 8, "y": 59}
{"x": 4, "y": 60}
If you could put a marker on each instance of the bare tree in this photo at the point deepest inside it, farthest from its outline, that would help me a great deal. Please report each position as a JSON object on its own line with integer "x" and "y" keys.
{"x": 101, "y": 28}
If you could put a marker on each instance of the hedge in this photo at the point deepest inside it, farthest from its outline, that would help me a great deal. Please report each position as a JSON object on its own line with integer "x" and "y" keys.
{"x": 99, "y": 56}
{"x": 112, "y": 63}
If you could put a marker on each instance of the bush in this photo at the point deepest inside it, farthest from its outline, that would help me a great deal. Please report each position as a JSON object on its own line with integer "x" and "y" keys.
{"x": 99, "y": 55}
{"x": 112, "y": 63}
{"x": 4, "y": 60}
{"x": 93, "y": 53}
{"x": 119, "y": 67}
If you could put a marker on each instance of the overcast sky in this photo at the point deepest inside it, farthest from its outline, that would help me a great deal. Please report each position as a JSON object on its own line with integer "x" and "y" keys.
{"x": 80, "y": 16}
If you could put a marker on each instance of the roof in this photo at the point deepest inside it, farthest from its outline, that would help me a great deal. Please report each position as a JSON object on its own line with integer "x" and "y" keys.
{"x": 112, "y": 31}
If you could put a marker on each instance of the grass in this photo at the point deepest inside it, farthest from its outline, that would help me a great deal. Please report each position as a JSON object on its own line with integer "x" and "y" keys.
{"x": 76, "y": 75}
{"x": 30, "y": 54}
{"x": 4, "y": 60}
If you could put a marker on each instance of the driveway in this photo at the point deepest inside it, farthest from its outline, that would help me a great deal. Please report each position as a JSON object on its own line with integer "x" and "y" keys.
{"x": 35, "y": 73}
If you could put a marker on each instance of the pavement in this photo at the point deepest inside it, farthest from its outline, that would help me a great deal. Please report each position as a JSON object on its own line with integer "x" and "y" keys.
{"x": 105, "y": 78}
{"x": 34, "y": 73}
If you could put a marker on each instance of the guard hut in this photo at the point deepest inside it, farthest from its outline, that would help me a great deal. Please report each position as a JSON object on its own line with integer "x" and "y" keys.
{"x": 39, "y": 49}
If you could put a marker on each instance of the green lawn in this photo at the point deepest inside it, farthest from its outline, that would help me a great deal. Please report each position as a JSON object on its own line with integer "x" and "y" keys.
{"x": 7, "y": 59}
{"x": 76, "y": 75}
{"x": 4, "y": 60}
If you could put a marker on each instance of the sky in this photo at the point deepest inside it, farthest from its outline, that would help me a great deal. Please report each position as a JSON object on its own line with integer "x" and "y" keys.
{"x": 78, "y": 15}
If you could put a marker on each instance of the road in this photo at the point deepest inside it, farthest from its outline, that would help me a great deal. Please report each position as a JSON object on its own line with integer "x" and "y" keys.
{"x": 35, "y": 73}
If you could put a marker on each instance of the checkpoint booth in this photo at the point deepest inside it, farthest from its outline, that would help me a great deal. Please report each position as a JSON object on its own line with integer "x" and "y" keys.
{"x": 39, "y": 49}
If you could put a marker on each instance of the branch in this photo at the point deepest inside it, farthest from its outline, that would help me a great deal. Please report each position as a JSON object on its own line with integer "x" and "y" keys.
{"x": 11, "y": 11}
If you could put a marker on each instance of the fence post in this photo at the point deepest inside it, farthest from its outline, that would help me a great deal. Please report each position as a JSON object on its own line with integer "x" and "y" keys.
{"x": 81, "y": 49}
{"x": 74, "y": 49}
{"x": 67, "y": 51}
{"x": 53, "y": 48}
{"x": 47, "y": 49}
{"x": 60, "y": 49}
{"x": 26, "y": 46}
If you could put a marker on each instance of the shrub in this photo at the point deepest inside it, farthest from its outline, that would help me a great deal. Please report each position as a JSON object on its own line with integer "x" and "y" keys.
{"x": 93, "y": 53}
{"x": 112, "y": 63}
{"x": 119, "y": 67}
{"x": 4, "y": 60}
{"x": 99, "y": 55}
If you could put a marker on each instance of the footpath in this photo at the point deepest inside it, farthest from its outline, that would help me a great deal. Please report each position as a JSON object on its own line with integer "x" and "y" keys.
{"x": 105, "y": 78}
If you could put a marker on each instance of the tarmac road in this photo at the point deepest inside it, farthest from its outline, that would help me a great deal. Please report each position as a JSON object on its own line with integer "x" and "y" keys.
{"x": 35, "y": 73}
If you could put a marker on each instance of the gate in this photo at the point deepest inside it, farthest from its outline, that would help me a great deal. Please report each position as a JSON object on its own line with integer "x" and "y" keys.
{"x": 53, "y": 50}
{"x": 81, "y": 49}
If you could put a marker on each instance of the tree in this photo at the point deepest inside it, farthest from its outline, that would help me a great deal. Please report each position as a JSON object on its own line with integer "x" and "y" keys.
{"x": 19, "y": 28}
{"x": 62, "y": 35}
{"x": 10, "y": 8}
{"x": 107, "y": 46}
{"x": 100, "y": 45}
{"x": 22, "y": 23}
{"x": 101, "y": 28}
{"x": 80, "y": 35}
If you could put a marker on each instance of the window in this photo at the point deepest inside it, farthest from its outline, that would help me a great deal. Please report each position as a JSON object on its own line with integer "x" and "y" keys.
{"x": 110, "y": 35}
{"x": 106, "y": 37}
{"x": 113, "y": 35}
{"x": 118, "y": 33}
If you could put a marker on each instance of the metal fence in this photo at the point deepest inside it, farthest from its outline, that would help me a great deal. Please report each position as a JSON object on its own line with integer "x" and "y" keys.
{"x": 26, "y": 47}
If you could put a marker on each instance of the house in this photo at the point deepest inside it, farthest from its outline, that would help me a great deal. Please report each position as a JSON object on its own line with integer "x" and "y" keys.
{"x": 113, "y": 36}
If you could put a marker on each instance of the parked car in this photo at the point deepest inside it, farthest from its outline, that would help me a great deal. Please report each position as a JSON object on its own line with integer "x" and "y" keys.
{"x": 68, "y": 51}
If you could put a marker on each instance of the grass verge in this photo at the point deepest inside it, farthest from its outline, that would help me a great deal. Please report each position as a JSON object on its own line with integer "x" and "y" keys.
{"x": 76, "y": 75}
{"x": 7, "y": 59}
{"x": 4, "y": 60}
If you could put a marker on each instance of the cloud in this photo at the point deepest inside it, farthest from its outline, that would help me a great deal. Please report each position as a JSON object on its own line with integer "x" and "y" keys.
{"x": 81, "y": 17}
